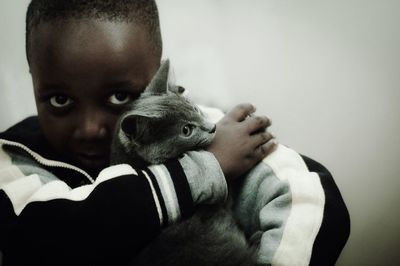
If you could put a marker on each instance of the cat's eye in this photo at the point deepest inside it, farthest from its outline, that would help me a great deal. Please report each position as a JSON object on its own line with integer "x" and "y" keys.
{"x": 187, "y": 130}
{"x": 60, "y": 101}
{"x": 119, "y": 98}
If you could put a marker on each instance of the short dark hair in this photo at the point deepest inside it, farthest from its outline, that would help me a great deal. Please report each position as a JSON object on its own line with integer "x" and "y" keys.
{"x": 144, "y": 12}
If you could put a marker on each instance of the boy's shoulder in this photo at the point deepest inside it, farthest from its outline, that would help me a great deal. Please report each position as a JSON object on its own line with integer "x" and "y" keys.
{"x": 30, "y": 151}
{"x": 28, "y": 133}
{"x": 23, "y": 129}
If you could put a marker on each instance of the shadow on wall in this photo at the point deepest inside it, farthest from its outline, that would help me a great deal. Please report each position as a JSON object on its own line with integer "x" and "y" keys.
{"x": 17, "y": 98}
{"x": 16, "y": 95}
{"x": 201, "y": 71}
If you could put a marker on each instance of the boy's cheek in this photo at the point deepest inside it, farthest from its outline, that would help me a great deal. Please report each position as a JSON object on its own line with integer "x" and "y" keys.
{"x": 56, "y": 130}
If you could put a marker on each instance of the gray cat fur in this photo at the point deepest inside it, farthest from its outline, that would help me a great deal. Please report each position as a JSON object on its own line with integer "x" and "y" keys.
{"x": 151, "y": 133}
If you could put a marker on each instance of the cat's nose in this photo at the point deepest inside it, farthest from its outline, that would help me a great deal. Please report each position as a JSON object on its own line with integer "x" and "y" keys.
{"x": 213, "y": 129}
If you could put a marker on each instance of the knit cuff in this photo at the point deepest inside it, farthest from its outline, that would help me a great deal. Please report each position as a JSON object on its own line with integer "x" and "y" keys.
{"x": 205, "y": 177}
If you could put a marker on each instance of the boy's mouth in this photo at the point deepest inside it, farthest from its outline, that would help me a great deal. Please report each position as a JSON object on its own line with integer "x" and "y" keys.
{"x": 93, "y": 160}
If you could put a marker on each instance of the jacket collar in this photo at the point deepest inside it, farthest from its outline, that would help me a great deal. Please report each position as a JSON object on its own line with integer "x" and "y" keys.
{"x": 28, "y": 133}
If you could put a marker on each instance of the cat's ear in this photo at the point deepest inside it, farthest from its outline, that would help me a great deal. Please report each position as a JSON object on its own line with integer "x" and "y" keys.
{"x": 129, "y": 125}
{"x": 159, "y": 83}
{"x": 178, "y": 90}
{"x": 134, "y": 124}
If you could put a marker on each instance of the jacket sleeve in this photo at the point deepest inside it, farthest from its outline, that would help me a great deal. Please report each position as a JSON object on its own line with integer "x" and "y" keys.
{"x": 46, "y": 222}
{"x": 335, "y": 229}
{"x": 290, "y": 206}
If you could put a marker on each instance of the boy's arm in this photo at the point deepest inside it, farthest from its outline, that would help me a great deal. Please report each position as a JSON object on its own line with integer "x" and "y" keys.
{"x": 294, "y": 208}
{"x": 335, "y": 229}
{"x": 105, "y": 222}
{"x": 45, "y": 222}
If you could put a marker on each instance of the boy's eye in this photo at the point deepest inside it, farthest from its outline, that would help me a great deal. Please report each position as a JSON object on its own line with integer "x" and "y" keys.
{"x": 119, "y": 98}
{"x": 60, "y": 101}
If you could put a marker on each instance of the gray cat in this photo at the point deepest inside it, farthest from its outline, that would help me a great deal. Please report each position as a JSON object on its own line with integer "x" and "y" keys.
{"x": 162, "y": 124}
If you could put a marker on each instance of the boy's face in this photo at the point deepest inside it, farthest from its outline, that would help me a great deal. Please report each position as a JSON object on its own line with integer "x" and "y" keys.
{"x": 84, "y": 74}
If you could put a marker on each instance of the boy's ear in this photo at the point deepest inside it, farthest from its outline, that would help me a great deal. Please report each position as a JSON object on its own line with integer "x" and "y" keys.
{"x": 159, "y": 83}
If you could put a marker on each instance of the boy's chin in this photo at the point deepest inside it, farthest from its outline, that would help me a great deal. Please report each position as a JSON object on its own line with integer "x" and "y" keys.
{"x": 92, "y": 164}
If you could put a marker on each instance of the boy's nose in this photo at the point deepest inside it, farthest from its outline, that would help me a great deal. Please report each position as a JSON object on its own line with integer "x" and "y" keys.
{"x": 91, "y": 126}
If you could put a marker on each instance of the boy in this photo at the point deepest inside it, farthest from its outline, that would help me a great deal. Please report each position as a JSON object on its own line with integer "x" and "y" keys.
{"x": 60, "y": 203}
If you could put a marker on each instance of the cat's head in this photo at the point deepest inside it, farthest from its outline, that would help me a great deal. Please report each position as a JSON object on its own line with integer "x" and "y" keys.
{"x": 162, "y": 124}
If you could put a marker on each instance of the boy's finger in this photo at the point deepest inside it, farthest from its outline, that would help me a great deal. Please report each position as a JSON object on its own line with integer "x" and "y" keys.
{"x": 261, "y": 138}
{"x": 267, "y": 148}
{"x": 241, "y": 111}
{"x": 257, "y": 124}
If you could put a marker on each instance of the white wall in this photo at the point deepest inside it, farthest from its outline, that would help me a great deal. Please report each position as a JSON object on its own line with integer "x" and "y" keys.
{"x": 16, "y": 95}
{"x": 326, "y": 72}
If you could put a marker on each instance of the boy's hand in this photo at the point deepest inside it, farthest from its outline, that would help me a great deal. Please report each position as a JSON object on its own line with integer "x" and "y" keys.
{"x": 241, "y": 141}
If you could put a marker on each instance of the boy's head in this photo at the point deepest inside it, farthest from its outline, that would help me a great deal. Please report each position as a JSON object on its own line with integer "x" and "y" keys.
{"x": 88, "y": 60}
{"x": 141, "y": 12}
